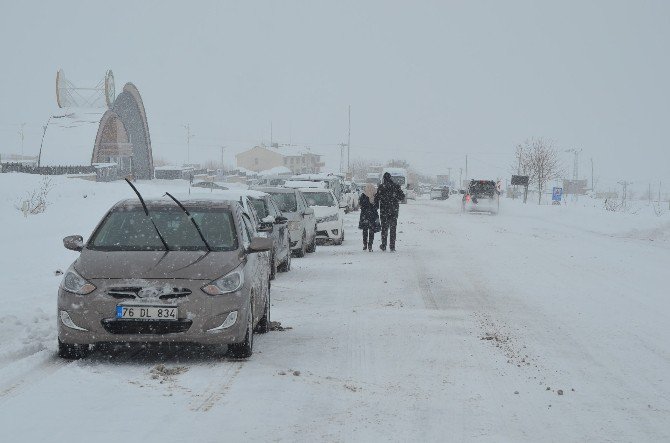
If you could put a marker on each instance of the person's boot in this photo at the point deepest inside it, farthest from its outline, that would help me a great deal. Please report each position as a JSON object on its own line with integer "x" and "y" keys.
{"x": 370, "y": 247}
{"x": 382, "y": 247}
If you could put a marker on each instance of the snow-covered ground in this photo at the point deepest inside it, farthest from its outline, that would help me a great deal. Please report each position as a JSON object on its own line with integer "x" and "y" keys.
{"x": 544, "y": 323}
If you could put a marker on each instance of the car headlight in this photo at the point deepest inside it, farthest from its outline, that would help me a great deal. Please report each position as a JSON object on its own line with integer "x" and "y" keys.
{"x": 76, "y": 284}
{"x": 328, "y": 218}
{"x": 294, "y": 225}
{"x": 225, "y": 285}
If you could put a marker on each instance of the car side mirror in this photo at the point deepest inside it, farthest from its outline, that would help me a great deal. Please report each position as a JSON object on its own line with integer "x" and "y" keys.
{"x": 74, "y": 242}
{"x": 308, "y": 211}
{"x": 343, "y": 205}
{"x": 462, "y": 191}
{"x": 265, "y": 227}
{"x": 260, "y": 244}
{"x": 280, "y": 220}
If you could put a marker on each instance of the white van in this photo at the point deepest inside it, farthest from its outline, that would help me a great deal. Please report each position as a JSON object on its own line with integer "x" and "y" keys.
{"x": 399, "y": 176}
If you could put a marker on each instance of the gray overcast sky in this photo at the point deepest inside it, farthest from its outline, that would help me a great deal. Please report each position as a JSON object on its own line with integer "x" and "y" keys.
{"x": 427, "y": 81}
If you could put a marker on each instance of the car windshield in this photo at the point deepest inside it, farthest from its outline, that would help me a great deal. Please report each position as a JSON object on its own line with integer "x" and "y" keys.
{"x": 286, "y": 201}
{"x": 319, "y": 199}
{"x": 260, "y": 207}
{"x": 131, "y": 230}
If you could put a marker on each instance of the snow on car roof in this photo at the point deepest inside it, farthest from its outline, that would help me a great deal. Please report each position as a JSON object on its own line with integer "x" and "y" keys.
{"x": 304, "y": 184}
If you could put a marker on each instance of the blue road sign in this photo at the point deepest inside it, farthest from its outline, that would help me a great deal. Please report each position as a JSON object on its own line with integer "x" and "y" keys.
{"x": 556, "y": 194}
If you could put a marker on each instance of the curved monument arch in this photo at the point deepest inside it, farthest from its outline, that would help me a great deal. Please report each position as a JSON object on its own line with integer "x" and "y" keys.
{"x": 123, "y": 135}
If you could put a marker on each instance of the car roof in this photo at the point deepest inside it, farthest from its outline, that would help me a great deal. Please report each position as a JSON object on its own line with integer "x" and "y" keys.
{"x": 166, "y": 202}
{"x": 276, "y": 190}
{"x": 315, "y": 190}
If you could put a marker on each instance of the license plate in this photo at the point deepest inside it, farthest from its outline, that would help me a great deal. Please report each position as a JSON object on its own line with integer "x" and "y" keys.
{"x": 146, "y": 312}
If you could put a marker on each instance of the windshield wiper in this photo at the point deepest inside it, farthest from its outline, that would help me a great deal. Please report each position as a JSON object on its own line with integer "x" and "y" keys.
{"x": 146, "y": 211}
{"x": 209, "y": 249}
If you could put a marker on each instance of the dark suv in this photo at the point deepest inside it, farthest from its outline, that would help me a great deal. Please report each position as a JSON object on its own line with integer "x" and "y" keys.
{"x": 481, "y": 196}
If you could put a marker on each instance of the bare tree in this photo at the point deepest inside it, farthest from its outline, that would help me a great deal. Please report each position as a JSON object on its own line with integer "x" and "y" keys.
{"x": 537, "y": 158}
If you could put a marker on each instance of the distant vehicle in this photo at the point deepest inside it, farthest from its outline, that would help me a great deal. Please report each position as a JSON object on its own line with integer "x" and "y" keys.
{"x": 329, "y": 217}
{"x": 270, "y": 181}
{"x": 274, "y": 223}
{"x": 399, "y": 176}
{"x": 439, "y": 193}
{"x": 301, "y": 220}
{"x": 372, "y": 177}
{"x": 208, "y": 185}
{"x": 350, "y": 194}
{"x": 481, "y": 196}
{"x": 331, "y": 181}
{"x": 153, "y": 274}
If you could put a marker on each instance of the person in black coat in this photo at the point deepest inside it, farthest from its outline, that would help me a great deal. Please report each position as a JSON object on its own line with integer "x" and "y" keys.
{"x": 369, "y": 218}
{"x": 388, "y": 197}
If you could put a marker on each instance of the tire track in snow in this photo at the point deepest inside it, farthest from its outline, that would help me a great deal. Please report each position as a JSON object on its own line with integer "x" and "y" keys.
{"x": 49, "y": 364}
{"x": 216, "y": 389}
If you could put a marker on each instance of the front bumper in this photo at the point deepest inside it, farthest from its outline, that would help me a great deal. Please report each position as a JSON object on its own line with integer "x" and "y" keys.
{"x": 90, "y": 319}
{"x": 329, "y": 231}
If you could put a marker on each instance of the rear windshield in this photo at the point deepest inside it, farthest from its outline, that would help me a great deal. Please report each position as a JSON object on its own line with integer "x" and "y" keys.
{"x": 260, "y": 207}
{"x": 286, "y": 201}
{"x": 319, "y": 199}
{"x": 131, "y": 230}
{"x": 482, "y": 187}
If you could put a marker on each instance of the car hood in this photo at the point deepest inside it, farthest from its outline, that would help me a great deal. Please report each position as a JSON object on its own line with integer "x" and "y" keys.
{"x": 193, "y": 265}
{"x": 324, "y": 211}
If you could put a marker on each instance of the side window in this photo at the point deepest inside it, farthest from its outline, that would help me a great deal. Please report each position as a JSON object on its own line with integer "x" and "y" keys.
{"x": 272, "y": 209}
{"x": 246, "y": 231}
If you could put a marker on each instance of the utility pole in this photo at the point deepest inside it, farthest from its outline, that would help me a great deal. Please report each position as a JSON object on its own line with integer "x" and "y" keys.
{"x": 624, "y": 184}
{"x": 466, "y": 166}
{"x": 342, "y": 146}
{"x": 189, "y": 136}
{"x": 22, "y": 135}
{"x": 449, "y": 176}
{"x": 460, "y": 178}
{"x": 222, "y": 148}
{"x": 349, "y": 143}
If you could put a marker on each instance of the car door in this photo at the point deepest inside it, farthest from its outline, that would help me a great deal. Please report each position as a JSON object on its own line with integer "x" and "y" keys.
{"x": 259, "y": 271}
{"x": 309, "y": 219}
{"x": 280, "y": 230}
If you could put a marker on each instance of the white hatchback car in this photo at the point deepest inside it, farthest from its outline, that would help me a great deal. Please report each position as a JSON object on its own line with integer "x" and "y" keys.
{"x": 329, "y": 215}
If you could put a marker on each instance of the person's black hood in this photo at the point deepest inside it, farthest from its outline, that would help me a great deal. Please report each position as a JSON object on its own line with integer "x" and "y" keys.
{"x": 387, "y": 178}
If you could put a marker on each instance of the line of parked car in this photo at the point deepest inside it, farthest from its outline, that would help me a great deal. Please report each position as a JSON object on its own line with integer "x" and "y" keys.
{"x": 190, "y": 269}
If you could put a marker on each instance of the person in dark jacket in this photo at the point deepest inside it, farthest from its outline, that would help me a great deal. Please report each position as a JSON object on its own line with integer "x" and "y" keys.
{"x": 369, "y": 218}
{"x": 388, "y": 197}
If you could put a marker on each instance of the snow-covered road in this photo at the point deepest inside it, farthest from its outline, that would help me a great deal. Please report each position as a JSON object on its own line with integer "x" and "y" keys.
{"x": 530, "y": 326}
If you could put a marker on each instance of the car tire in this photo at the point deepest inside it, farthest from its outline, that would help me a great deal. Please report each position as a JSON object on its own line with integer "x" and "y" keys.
{"x": 263, "y": 325}
{"x": 273, "y": 266}
{"x": 246, "y": 347}
{"x": 303, "y": 247}
{"x": 72, "y": 351}
{"x": 285, "y": 266}
{"x": 312, "y": 246}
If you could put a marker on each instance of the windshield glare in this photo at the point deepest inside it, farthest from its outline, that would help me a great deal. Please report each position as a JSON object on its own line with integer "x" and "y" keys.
{"x": 286, "y": 201}
{"x": 319, "y": 199}
{"x": 131, "y": 230}
{"x": 260, "y": 207}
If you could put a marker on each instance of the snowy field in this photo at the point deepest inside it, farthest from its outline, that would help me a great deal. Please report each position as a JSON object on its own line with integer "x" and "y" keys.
{"x": 543, "y": 323}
